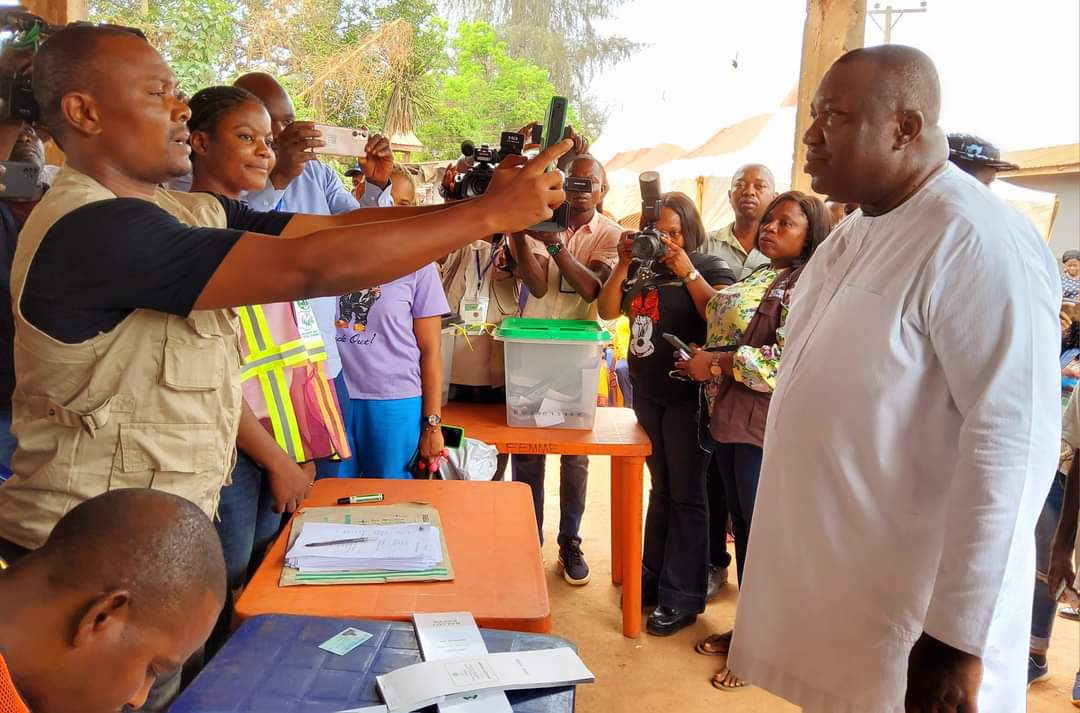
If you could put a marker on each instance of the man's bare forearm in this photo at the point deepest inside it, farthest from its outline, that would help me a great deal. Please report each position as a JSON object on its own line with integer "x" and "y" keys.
{"x": 584, "y": 281}
{"x": 305, "y": 224}
{"x": 261, "y": 269}
{"x": 527, "y": 268}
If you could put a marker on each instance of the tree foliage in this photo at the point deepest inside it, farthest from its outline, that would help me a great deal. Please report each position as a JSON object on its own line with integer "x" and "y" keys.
{"x": 484, "y": 92}
{"x": 391, "y": 65}
{"x": 561, "y": 36}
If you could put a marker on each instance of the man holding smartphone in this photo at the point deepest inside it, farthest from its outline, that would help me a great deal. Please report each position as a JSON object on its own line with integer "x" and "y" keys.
{"x": 563, "y": 273}
{"x": 1062, "y": 574}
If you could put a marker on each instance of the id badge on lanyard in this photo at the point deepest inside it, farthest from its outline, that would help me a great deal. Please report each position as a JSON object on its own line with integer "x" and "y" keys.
{"x": 474, "y": 307}
{"x": 305, "y": 320}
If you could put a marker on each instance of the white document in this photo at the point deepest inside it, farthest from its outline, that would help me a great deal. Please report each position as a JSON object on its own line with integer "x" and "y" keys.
{"x": 409, "y": 547}
{"x": 431, "y": 682}
{"x": 455, "y": 635}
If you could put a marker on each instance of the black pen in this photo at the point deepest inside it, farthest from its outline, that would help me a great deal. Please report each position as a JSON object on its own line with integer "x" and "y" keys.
{"x": 337, "y": 542}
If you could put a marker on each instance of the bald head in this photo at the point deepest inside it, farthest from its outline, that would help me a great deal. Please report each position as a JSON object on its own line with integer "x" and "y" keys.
{"x": 901, "y": 78}
{"x": 875, "y": 135}
{"x": 159, "y": 547}
{"x": 273, "y": 96}
{"x": 126, "y": 588}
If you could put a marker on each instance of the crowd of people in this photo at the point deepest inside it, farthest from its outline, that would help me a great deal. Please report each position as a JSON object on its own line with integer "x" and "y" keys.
{"x": 864, "y": 392}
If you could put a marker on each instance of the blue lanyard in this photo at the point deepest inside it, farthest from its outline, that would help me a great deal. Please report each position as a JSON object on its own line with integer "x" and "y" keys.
{"x": 481, "y": 273}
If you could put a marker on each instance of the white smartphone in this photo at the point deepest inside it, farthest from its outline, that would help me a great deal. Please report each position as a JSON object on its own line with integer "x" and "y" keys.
{"x": 341, "y": 141}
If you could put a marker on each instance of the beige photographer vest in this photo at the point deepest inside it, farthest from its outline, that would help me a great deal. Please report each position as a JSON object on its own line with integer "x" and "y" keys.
{"x": 153, "y": 403}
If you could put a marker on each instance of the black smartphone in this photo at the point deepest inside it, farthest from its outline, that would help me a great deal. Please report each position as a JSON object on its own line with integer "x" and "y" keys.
{"x": 554, "y": 132}
{"x": 680, "y": 346}
{"x": 453, "y": 436}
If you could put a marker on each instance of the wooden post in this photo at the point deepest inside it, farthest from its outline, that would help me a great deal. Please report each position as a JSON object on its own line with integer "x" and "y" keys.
{"x": 57, "y": 12}
{"x": 832, "y": 28}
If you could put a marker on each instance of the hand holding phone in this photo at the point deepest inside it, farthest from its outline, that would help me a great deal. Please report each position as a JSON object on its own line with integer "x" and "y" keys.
{"x": 339, "y": 141}
{"x": 554, "y": 132}
{"x": 682, "y": 349}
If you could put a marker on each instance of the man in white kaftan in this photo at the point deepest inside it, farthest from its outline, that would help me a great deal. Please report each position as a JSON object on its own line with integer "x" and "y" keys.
{"x": 914, "y": 429}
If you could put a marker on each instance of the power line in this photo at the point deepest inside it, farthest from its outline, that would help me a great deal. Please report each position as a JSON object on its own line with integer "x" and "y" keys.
{"x": 890, "y": 13}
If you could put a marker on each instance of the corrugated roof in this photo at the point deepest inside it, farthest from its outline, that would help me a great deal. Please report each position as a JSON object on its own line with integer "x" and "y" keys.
{"x": 1048, "y": 159}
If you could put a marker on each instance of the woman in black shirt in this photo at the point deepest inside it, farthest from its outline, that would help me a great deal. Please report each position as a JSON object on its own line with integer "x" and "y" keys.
{"x": 675, "y": 558}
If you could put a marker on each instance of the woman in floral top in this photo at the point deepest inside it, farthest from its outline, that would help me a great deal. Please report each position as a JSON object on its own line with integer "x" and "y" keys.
{"x": 740, "y": 361}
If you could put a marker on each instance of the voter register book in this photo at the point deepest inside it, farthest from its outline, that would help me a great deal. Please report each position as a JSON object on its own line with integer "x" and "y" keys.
{"x": 366, "y": 545}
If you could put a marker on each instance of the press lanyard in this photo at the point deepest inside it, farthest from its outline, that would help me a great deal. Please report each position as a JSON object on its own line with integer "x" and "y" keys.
{"x": 480, "y": 274}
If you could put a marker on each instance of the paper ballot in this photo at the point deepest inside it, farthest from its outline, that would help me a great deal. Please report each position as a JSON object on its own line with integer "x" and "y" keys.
{"x": 455, "y": 635}
{"x": 409, "y": 547}
{"x": 431, "y": 682}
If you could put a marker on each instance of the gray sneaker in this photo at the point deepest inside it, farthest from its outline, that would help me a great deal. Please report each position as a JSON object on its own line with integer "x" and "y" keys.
{"x": 575, "y": 569}
{"x": 718, "y": 577}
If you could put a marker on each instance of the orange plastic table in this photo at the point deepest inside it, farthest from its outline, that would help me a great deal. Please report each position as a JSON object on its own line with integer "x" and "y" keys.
{"x": 617, "y": 434}
{"x": 490, "y": 531}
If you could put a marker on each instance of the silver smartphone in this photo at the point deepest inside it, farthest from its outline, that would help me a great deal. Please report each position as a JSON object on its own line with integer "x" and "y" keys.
{"x": 342, "y": 141}
{"x": 21, "y": 181}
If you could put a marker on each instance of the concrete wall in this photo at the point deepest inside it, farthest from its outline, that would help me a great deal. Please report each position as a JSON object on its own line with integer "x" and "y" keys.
{"x": 1066, "y": 233}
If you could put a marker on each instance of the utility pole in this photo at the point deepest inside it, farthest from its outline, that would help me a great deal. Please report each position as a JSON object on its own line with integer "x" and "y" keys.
{"x": 890, "y": 12}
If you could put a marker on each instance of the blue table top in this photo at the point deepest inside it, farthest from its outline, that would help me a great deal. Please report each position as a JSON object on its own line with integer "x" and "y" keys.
{"x": 272, "y": 664}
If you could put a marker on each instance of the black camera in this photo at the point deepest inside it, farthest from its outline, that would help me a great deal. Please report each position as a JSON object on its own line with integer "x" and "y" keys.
{"x": 22, "y": 33}
{"x": 649, "y": 241}
{"x": 478, "y": 163}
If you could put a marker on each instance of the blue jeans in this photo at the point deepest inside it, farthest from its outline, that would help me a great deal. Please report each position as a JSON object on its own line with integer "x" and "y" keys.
{"x": 626, "y": 384}
{"x": 247, "y": 521}
{"x": 7, "y": 443}
{"x": 1043, "y": 605}
{"x": 574, "y": 477}
{"x": 383, "y": 435}
{"x": 739, "y": 465}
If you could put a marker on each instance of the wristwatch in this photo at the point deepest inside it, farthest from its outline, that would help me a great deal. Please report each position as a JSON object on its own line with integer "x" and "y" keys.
{"x": 714, "y": 367}
{"x": 555, "y": 248}
{"x": 430, "y": 423}
{"x": 690, "y": 277}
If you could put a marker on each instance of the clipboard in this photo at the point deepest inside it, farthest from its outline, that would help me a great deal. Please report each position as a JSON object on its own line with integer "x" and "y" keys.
{"x": 399, "y": 514}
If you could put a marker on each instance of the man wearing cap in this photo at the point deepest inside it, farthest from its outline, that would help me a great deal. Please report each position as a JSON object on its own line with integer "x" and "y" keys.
{"x": 978, "y": 157}
{"x": 359, "y": 182}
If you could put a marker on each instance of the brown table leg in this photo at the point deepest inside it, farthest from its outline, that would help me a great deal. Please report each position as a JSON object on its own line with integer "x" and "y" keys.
{"x": 632, "y": 472}
{"x": 617, "y": 479}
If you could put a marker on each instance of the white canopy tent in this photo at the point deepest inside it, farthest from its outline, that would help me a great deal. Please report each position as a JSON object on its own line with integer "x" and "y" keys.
{"x": 705, "y": 173}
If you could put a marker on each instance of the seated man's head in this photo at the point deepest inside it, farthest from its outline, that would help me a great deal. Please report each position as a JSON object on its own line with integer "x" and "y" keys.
{"x": 126, "y": 588}
{"x": 110, "y": 102}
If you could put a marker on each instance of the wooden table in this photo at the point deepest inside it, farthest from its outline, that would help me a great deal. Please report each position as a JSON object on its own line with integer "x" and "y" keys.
{"x": 617, "y": 434}
{"x": 490, "y": 531}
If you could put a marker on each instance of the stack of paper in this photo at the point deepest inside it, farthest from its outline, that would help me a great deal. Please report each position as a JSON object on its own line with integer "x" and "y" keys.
{"x": 328, "y": 547}
{"x": 454, "y": 635}
{"x": 419, "y": 685}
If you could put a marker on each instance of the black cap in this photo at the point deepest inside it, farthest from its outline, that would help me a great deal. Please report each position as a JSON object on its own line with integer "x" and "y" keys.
{"x": 354, "y": 171}
{"x": 968, "y": 147}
